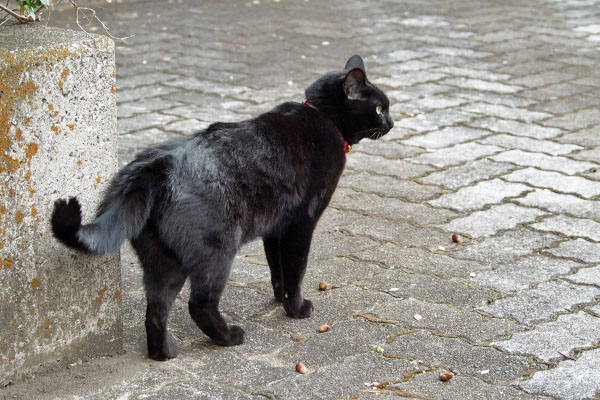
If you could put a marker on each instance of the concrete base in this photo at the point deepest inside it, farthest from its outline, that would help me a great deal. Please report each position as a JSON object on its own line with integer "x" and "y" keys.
{"x": 57, "y": 139}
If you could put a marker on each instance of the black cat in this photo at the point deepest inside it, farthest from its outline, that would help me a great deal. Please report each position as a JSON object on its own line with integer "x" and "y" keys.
{"x": 188, "y": 205}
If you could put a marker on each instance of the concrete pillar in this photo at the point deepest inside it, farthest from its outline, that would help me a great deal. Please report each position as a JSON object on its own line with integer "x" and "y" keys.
{"x": 57, "y": 139}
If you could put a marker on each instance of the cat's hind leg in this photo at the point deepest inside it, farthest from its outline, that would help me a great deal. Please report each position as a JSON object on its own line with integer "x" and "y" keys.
{"x": 272, "y": 247}
{"x": 163, "y": 279}
{"x": 294, "y": 249}
{"x": 208, "y": 282}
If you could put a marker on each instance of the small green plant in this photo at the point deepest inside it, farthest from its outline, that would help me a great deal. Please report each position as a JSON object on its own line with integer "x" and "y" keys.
{"x": 29, "y": 10}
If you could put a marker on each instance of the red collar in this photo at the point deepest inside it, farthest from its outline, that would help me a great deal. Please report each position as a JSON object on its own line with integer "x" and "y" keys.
{"x": 347, "y": 147}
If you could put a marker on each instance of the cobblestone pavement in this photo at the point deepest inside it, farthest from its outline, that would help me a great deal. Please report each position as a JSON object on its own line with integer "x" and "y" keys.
{"x": 497, "y": 138}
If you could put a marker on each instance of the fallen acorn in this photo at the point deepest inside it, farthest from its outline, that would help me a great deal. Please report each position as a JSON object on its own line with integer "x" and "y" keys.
{"x": 446, "y": 376}
{"x": 324, "y": 328}
{"x": 300, "y": 368}
{"x": 322, "y": 286}
{"x": 456, "y": 238}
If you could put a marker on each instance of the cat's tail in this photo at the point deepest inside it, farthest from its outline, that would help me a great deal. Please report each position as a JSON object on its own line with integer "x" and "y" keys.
{"x": 122, "y": 215}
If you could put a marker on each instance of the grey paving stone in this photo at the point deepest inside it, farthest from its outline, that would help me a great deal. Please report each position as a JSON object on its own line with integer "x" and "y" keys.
{"x": 462, "y": 387}
{"x": 443, "y": 319}
{"x": 427, "y": 288}
{"x": 571, "y": 380}
{"x": 586, "y": 137}
{"x": 543, "y": 161}
{"x": 457, "y": 356}
{"x": 466, "y": 174}
{"x": 379, "y": 165}
{"x": 386, "y": 148}
{"x": 588, "y": 276}
{"x": 142, "y": 122}
{"x": 577, "y": 120}
{"x": 413, "y": 260}
{"x": 390, "y": 186}
{"x": 388, "y": 207}
{"x": 547, "y": 299}
{"x": 505, "y": 112}
{"x": 507, "y": 246}
{"x": 528, "y": 144}
{"x": 561, "y": 203}
{"x": 403, "y": 234}
{"x": 409, "y": 79}
{"x": 522, "y": 274}
{"x": 505, "y": 99}
{"x": 556, "y": 339}
{"x": 455, "y": 155}
{"x": 516, "y": 128}
{"x": 489, "y": 222}
{"x": 556, "y": 181}
{"x": 472, "y": 73}
{"x": 435, "y": 120}
{"x": 483, "y": 85}
{"x": 445, "y": 137}
{"x": 580, "y": 249}
{"x": 569, "y": 226}
{"x": 477, "y": 196}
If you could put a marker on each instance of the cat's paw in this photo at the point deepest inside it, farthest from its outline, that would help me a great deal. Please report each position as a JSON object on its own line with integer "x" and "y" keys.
{"x": 301, "y": 309}
{"x": 165, "y": 352}
{"x": 235, "y": 336}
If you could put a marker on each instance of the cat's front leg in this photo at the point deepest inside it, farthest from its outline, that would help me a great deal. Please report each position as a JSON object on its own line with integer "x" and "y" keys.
{"x": 295, "y": 246}
{"x": 272, "y": 247}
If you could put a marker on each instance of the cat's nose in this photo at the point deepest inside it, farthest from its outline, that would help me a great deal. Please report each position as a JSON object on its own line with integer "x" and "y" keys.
{"x": 390, "y": 122}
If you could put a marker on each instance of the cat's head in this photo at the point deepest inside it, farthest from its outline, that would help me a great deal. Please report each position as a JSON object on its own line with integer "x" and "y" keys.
{"x": 357, "y": 107}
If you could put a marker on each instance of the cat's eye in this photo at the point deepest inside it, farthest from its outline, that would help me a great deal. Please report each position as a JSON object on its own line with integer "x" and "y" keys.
{"x": 378, "y": 110}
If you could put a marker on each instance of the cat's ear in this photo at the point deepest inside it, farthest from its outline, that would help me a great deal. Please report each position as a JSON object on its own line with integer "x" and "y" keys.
{"x": 355, "y": 79}
{"x": 354, "y": 82}
{"x": 355, "y": 62}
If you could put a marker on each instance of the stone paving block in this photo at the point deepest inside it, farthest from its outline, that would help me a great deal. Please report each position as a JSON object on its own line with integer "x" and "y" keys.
{"x": 477, "y": 196}
{"x": 507, "y": 246}
{"x": 516, "y": 128}
{"x": 556, "y": 339}
{"x": 543, "y": 79}
{"x": 580, "y": 249}
{"x": 333, "y": 243}
{"x": 461, "y": 387}
{"x": 561, "y": 203}
{"x": 472, "y": 73}
{"x": 401, "y": 284}
{"x": 445, "y": 137}
{"x": 588, "y": 276}
{"x": 455, "y": 155}
{"x": 379, "y": 165}
{"x": 592, "y": 155}
{"x": 543, "y": 161}
{"x": 585, "y": 137}
{"x": 547, "y": 299}
{"x": 435, "y": 120}
{"x": 568, "y": 104}
{"x": 569, "y": 226}
{"x": 409, "y": 79}
{"x": 505, "y": 99}
{"x": 143, "y": 92}
{"x": 570, "y": 380}
{"x": 577, "y": 120}
{"x": 413, "y": 260}
{"x": 403, "y": 234}
{"x": 555, "y": 181}
{"x": 501, "y": 111}
{"x": 390, "y": 186}
{"x": 430, "y": 103}
{"x": 389, "y": 208}
{"x": 562, "y": 92}
{"x": 522, "y": 274}
{"x": 389, "y": 148}
{"x": 466, "y": 174}
{"x": 489, "y": 222}
{"x": 142, "y": 122}
{"x": 482, "y": 85}
{"x": 457, "y": 356}
{"x": 442, "y": 319}
{"x": 528, "y": 144}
